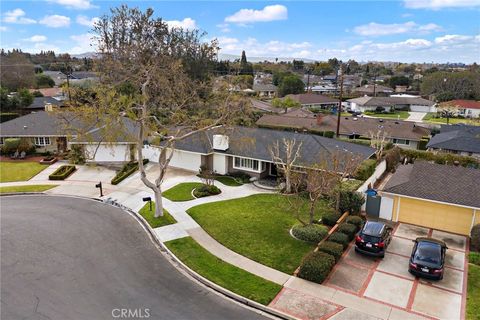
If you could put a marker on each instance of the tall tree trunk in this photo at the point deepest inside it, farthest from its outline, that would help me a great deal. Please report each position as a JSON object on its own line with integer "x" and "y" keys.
{"x": 158, "y": 202}
{"x": 288, "y": 184}
{"x": 312, "y": 210}
{"x": 337, "y": 202}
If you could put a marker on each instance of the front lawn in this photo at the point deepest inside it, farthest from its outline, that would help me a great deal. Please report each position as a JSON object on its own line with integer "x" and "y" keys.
{"x": 31, "y": 188}
{"x": 394, "y": 115}
{"x": 431, "y": 117}
{"x": 473, "y": 293}
{"x": 228, "y": 181}
{"x": 222, "y": 273}
{"x": 181, "y": 192}
{"x": 19, "y": 171}
{"x": 166, "y": 219}
{"x": 257, "y": 227}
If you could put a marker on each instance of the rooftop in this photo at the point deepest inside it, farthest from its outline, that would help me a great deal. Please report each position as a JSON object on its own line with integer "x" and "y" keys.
{"x": 457, "y": 138}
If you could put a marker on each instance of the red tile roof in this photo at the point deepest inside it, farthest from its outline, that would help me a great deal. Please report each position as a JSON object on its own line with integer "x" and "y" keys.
{"x": 467, "y": 104}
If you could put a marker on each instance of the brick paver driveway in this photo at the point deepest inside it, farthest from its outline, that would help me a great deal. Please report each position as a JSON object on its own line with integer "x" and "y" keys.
{"x": 388, "y": 281}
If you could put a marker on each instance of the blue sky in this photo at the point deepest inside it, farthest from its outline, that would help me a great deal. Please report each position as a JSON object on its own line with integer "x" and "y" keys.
{"x": 403, "y": 30}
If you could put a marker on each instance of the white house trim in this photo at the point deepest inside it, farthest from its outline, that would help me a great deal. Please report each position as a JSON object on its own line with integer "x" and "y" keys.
{"x": 436, "y": 201}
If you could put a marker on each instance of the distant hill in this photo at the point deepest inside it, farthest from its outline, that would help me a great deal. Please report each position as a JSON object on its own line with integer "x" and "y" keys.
{"x": 232, "y": 57}
{"x": 84, "y": 55}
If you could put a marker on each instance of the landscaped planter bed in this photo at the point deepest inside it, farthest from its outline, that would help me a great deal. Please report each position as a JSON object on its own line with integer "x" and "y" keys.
{"x": 62, "y": 172}
{"x": 48, "y": 160}
{"x": 126, "y": 171}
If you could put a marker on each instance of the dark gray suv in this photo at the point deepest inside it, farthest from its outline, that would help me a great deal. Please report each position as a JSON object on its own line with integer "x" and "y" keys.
{"x": 373, "y": 239}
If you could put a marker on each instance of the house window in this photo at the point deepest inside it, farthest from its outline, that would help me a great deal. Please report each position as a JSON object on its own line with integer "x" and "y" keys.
{"x": 41, "y": 141}
{"x": 246, "y": 164}
{"x": 401, "y": 141}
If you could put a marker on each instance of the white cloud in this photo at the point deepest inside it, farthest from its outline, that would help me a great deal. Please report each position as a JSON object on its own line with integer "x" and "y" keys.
{"x": 85, "y": 21}
{"x": 187, "y": 23}
{"x": 453, "y": 38}
{"x": 75, "y": 4}
{"x": 40, "y": 46}
{"x": 270, "y": 48}
{"x": 224, "y": 27}
{"x": 17, "y": 16}
{"x": 83, "y": 43}
{"x": 378, "y": 29}
{"x": 36, "y": 38}
{"x": 2, "y": 28}
{"x": 439, "y": 4}
{"x": 269, "y": 13}
{"x": 55, "y": 21}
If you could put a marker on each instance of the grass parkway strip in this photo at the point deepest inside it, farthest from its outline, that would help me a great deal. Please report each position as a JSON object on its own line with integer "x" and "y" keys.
{"x": 29, "y": 188}
{"x": 148, "y": 215}
{"x": 224, "y": 274}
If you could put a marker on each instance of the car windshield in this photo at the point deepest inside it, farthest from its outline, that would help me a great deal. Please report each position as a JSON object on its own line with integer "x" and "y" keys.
{"x": 428, "y": 252}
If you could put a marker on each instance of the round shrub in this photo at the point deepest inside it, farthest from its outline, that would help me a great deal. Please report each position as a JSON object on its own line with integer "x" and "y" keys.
{"x": 206, "y": 190}
{"x": 475, "y": 238}
{"x": 340, "y": 238}
{"x": 355, "y": 220}
{"x": 310, "y": 232}
{"x": 332, "y": 248}
{"x": 348, "y": 229}
{"x": 316, "y": 266}
{"x": 330, "y": 218}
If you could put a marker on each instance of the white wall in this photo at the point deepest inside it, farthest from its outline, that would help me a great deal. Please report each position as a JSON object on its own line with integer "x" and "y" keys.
{"x": 186, "y": 160}
{"x": 419, "y": 108}
{"x": 151, "y": 153}
{"x": 386, "y": 208}
{"x": 108, "y": 153}
{"x": 379, "y": 170}
{"x": 220, "y": 164}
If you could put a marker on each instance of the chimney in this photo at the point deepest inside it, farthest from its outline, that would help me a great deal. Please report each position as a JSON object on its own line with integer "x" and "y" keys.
{"x": 319, "y": 118}
{"x": 220, "y": 142}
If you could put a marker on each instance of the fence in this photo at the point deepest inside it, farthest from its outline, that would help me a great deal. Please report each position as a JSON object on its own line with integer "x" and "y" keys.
{"x": 379, "y": 171}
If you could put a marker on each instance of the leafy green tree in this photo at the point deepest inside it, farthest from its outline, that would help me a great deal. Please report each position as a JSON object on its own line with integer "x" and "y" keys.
{"x": 245, "y": 67}
{"x": 290, "y": 84}
{"x": 322, "y": 69}
{"x": 44, "y": 81}
{"x": 16, "y": 71}
{"x": 243, "y": 81}
{"x": 285, "y": 103}
{"x": 398, "y": 81}
{"x": 25, "y": 97}
{"x": 452, "y": 85}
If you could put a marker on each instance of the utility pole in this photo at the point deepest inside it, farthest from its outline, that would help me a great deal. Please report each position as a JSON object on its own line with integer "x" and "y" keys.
{"x": 308, "y": 80}
{"x": 374, "y": 83}
{"x": 339, "y": 111}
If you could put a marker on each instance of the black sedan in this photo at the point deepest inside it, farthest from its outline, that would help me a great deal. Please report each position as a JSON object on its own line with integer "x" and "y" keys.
{"x": 373, "y": 239}
{"x": 428, "y": 258}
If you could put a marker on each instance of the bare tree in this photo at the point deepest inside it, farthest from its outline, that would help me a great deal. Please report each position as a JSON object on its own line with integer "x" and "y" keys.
{"x": 378, "y": 140}
{"x": 285, "y": 157}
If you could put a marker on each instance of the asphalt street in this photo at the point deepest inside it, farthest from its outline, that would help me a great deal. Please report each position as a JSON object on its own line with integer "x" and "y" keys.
{"x": 68, "y": 258}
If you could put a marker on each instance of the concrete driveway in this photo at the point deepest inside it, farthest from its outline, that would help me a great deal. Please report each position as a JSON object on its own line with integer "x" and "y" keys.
{"x": 388, "y": 281}
{"x": 416, "y": 116}
{"x": 70, "y": 258}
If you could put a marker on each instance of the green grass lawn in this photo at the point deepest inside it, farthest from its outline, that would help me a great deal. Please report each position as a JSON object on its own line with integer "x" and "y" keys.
{"x": 395, "y": 115}
{"x": 228, "y": 181}
{"x": 166, "y": 219}
{"x": 257, "y": 227}
{"x": 19, "y": 171}
{"x": 473, "y": 293}
{"x": 430, "y": 117}
{"x": 31, "y": 188}
{"x": 222, "y": 273}
{"x": 181, "y": 192}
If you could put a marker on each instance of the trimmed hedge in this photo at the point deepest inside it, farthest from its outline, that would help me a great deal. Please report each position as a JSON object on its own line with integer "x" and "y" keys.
{"x": 355, "y": 220}
{"x": 366, "y": 169}
{"x": 332, "y": 248}
{"x": 348, "y": 229}
{"x": 206, "y": 190}
{"x": 62, "y": 172}
{"x": 340, "y": 238}
{"x": 330, "y": 218}
{"x": 310, "y": 232}
{"x": 241, "y": 176}
{"x": 441, "y": 158}
{"x": 475, "y": 238}
{"x": 351, "y": 201}
{"x": 316, "y": 266}
{"x": 126, "y": 171}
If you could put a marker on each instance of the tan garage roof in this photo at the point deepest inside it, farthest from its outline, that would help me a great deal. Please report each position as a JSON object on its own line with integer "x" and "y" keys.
{"x": 444, "y": 183}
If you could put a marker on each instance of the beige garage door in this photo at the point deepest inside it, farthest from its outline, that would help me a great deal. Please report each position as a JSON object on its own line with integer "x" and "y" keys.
{"x": 436, "y": 215}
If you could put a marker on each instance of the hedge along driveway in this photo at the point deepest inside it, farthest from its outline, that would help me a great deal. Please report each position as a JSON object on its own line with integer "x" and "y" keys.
{"x": 19, "y": 171}
{"x": 256, "y": 227}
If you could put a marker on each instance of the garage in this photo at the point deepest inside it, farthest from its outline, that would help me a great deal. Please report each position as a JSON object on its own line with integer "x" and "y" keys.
{"x": 436, "y": 196}
{"x": 435, "y": 215}
{"x": 186, "y": 160}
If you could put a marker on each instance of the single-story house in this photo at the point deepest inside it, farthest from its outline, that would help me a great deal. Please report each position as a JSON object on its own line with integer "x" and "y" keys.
{"x": 314, "y": 101}
{"x": 58, "y": 77}
{"x": 404, "y": 134}
{"x": 48, "y": 132}
{"x": 265, "y": 90}
{"x": 55, "y": 92}
{"x": 44, "y": 103}
{"x": 458, "y": 139}
{"x": 324, "y": 89}
{"x": 374, "y": 90}
{"x": 465, "y": 108}
{"x": 246, "y": 150}
{"x": 416, "y": 104}
{"x": 436, "y": 196}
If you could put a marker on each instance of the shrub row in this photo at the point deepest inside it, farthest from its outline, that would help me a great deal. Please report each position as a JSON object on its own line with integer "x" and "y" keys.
{"x": 330, "y": 218}
{"x": 241, "y": 176}
{"x": 206, "y": 190}
{"x": 310, "y": 232}
{"x": 348, "y": 229}
{"x": 332, "y": 248}
{"x": 340, "y": 238}
{"x": 366, "y": 169}
{"x": 62, "y": 172}
{"x": 441, "y": 158}
{"x": 127, "y": 170}
{"x": 316, "y": 266}
{"x": 355, "y": 220}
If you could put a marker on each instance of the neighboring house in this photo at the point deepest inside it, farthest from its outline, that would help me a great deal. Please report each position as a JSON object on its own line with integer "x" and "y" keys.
{"x": 54, "y": 92}
{"x": 44, "y": 103}
{"x": 458, "y": 139}
{"x": 392, "y": 103}
{"x": 374, "y": 90}
{"x": 265, "y": 90}
{"x": 50, "y": 133}
{"x": 314, "y": 101}
{"x": 57, "y": 76}
{"x": 404, "y": 134}
{"x": 324, "y": 89}
{"x": 465, "y": 108}
{"x": 435, "y": 196}
{"x": 247, "y": 150}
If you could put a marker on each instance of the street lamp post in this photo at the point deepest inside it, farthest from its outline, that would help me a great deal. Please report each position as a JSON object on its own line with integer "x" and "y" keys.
{"x": 339, "y": 111}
